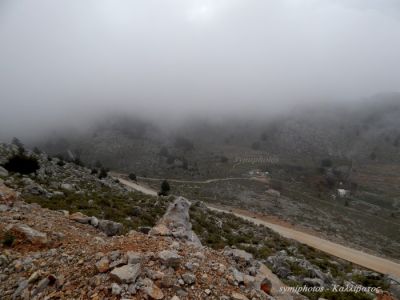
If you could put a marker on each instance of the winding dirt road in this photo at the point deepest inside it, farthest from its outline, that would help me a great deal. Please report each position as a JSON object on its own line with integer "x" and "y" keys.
{"x": 358, "y": 257}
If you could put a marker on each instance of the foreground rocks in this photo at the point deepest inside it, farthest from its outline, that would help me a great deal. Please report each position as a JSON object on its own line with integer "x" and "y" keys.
{"x": 57, "y": 255}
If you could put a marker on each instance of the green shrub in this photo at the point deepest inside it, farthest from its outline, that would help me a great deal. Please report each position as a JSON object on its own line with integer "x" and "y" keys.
{"x": 103, "y": 173}
{"x": 165, "y": 188}
{"x": 23, "y": 164}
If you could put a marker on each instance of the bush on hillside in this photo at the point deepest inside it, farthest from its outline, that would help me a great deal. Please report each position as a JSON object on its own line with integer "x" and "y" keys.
{"x": 21, "y": 163}
{"x": 132, "y": 176}
{"x": 103, "y": 173}
{"x": 165, "y": 188}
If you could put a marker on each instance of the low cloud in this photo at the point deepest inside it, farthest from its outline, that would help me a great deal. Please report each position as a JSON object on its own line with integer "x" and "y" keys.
{"x": 64, "y": 62}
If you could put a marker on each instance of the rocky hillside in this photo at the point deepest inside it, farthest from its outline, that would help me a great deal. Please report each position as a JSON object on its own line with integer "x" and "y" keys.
{"x": 53, "y": 255}
{"x": 101, "y": 240}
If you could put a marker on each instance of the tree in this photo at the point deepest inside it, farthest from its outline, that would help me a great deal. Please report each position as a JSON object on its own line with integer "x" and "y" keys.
{"x": 165, "y": 188}
{"x": 132, "y": 176}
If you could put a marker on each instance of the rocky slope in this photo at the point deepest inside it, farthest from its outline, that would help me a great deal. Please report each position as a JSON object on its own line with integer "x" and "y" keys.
{"x": 57, "y": 255}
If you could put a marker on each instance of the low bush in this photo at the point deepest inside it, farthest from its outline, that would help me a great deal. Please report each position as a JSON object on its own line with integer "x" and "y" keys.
{"x": 23, "y": 164}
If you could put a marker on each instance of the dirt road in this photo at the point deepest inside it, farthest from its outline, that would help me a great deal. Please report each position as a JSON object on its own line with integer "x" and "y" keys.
{"x": 358, "y": 257}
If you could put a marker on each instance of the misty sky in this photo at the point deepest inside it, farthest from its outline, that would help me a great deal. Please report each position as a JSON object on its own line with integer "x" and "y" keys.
{"x": 62, "y": 61}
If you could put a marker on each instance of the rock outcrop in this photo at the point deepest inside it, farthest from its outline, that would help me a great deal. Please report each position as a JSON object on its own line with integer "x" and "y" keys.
{"x": 176, "y": 222}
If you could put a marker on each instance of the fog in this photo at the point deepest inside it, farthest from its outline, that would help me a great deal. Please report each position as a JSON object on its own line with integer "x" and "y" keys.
{"x": 66, "y": 62}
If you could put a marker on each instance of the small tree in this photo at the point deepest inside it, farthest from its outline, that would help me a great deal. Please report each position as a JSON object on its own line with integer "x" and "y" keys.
{"x": 132, "y": 176}
{"x": 165, "y": 188}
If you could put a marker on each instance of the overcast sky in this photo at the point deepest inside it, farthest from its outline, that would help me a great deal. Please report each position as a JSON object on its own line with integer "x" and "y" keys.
{"x": 70, "y": 59}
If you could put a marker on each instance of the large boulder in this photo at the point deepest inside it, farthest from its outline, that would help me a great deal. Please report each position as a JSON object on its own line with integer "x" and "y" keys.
{"x": 238, "y": 255}
{"x": 33, "y": 236}
{"x": 110, "y": 228}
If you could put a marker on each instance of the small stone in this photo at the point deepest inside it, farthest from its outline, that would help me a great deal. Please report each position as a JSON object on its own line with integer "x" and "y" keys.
{"x": 151, "y": 289}
{"x": 126, "y": 274}
{"x": 189, "y": 278}
{"x": 168, "y": 281}
{"x": 134, "y": 257}
{"x": 161, "y": 230}
{"x": 238, "y": 276}
{"x": 115, "y": 289}
{"x": 110, "y": 228}
{"x": 21, "y": 287}
{"x": 41, "y": 286}
{"x": 34, "y": 277}
{"x": 103, "y": 265}
{"x": 80, "y": 218}
{"x": 94, "y": 221}
{"x": 238, "y": 296}
{"x": 169, "y": 258}
{"x": 249, "y": 281}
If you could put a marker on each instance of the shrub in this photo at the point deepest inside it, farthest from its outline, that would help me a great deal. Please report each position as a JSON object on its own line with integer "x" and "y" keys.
{"x": 132, "y": 176}
{"x": 103, "y": 173}
{"x": 165, "y": 188}
{"x": 23, "y": 164}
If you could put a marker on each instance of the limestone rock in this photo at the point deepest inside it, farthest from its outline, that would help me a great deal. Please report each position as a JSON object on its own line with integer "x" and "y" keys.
{"x": 80, "y": 218}
{"x": 30, "y": 234}
{"x": 110, "y": 228}
{"x": 103, "y": 265}
{"x": 169, "y": 258}
{"x": 151, "y": 290}
{"x": 126, "y": 274}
